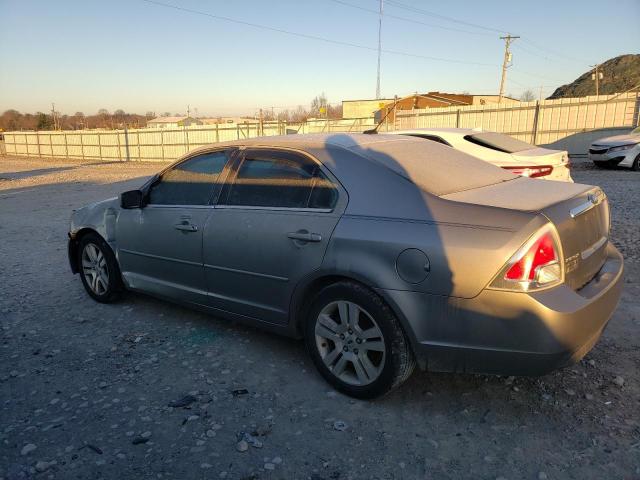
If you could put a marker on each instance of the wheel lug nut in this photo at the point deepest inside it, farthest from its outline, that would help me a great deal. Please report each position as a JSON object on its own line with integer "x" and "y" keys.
{"x": 342, "y": 336}
{"x": 350, "y": 331}
{"x": 345, "y": 348}
{"x": 355, "y": 350}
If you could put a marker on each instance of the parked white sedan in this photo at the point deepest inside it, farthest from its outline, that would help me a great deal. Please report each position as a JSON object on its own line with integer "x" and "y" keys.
{"x": 512, "y": 154}
{"x": 619, "y": 150}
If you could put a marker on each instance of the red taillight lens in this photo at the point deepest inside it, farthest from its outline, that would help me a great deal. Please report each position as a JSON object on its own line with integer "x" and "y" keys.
{"x": 537, "y": 264}
{"x": 532, "y": 172}
{"x": 540, "y": 253}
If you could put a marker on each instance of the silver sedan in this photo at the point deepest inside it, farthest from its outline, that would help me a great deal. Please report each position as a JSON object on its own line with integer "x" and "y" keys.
{"x": 381, "y": 251}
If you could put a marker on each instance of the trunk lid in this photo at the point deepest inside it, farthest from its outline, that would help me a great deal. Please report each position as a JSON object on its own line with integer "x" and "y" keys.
{"x": 580, "y": 213}
{"x": 541, "y": 156}
{"x": 583, "y": 225}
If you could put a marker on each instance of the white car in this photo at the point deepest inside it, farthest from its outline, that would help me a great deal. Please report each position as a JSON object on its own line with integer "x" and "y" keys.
{"x": 620, "y": 150}
{"x": 519, "y": 157}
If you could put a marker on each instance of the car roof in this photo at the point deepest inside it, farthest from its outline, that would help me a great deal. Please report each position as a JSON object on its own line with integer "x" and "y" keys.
{"x": 458, "y": 131}
{"x": 355, "y": 158}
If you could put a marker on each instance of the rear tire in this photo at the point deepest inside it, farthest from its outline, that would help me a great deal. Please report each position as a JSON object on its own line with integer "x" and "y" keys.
{"x": 356, "y": 342}
{"x": 635, "y": 166}
{"x": 99, "y": 270}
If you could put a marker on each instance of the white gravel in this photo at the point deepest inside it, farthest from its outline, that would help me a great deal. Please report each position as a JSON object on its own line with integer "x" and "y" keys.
{"x": 114, "y": 369}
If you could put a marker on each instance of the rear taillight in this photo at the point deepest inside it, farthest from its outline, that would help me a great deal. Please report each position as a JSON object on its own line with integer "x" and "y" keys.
{"x": 532, "y": 172}
{"x": 537, "y": 264}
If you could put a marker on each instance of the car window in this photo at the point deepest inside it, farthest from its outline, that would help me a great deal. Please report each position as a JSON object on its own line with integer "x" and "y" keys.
{"x": 433, "y": 138}
{"x": 281, "y": 179}
{"x": 190, "y": 182}
{"x": 499, "y": 142}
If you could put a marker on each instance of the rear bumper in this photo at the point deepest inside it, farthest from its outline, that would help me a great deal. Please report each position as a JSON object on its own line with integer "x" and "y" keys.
{"x": 511, "y": 333}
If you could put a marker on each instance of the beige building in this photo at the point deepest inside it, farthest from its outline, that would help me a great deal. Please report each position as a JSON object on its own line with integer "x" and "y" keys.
{"x": 172, "y": 122}
{"x": 229, "y": 120}
{"x": 363, "y": 108}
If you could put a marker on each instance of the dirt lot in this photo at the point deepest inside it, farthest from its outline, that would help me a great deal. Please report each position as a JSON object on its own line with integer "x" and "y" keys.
{"x": 85, "y": 387}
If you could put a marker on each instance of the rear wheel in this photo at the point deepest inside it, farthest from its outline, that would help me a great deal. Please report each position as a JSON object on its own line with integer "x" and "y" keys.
{"x": 99, "y": 269}
{"x": 356, "y": 341}
{"x": 636, "y": 164}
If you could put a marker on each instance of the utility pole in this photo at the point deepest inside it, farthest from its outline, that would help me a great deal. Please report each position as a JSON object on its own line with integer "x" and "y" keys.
{"x": 53, "y": 116}
{"x": 379, "y": 48}
{"x": 506, "y": 63}
{"x": 597, "y": 76}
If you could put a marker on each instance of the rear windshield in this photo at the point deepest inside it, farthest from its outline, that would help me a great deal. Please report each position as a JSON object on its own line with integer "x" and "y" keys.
{"x": 435, "y": 168}
{"x": 499, "y": 142}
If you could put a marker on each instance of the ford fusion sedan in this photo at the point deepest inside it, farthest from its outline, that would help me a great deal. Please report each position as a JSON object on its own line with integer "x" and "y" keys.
{"x": 518, "y": 157}
{"x": 619, "y": 150}
{"x": 381, "y": 251}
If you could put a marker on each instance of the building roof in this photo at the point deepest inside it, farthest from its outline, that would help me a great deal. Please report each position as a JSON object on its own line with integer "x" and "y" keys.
{"x": 167, "y": 119}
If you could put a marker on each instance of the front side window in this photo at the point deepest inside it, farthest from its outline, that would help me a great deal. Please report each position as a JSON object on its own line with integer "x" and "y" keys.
{"x": 281, "y": 179}
{"x": 191, "y": 182}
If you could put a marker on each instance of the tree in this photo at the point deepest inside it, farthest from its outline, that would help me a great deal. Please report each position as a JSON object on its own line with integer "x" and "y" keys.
{"x": 150, "y": 115}
{"x": 45, "y": 122}
{"x": 103, "y": 112}
{"x": 319, "y": 105}
{"x": 527, "y": 96}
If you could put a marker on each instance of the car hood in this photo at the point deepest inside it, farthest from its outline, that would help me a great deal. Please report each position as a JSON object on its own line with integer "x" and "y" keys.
{"x": 618, "y": 140}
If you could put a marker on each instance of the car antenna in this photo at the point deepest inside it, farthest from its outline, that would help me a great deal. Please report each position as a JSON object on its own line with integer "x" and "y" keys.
{"x": 374, "y": 130}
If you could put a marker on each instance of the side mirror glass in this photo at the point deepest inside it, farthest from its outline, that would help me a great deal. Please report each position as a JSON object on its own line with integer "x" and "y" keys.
{"x": 132, "y": 199}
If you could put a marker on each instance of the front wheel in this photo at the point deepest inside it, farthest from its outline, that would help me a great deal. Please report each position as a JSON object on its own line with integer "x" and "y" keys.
{"x": 356, "y": 341}
{"x": 636, "y": 164}
{"x": 99, "y": 269}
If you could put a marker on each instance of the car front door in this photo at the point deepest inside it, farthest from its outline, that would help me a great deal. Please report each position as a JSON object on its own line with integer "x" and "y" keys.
{"x": 160, "y": 245}
{"x": 270, "y": 227}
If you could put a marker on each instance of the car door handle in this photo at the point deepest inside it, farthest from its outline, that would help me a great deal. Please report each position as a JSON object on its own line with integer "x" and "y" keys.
{"x": 305, "y": 236}
{"x": 186, "y": 227}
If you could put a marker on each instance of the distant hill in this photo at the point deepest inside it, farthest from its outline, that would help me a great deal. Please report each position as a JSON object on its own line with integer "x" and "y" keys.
{"x": 620, "y": 74}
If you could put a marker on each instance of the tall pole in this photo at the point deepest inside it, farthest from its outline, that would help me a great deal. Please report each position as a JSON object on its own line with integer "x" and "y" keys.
{"x": 506, "y": 63}
{"x": 596, "y": 76}
{"x": 379, "y": 48}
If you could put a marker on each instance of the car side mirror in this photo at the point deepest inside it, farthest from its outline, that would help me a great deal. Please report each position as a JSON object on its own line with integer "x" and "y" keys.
{"x": 132, "y": 199}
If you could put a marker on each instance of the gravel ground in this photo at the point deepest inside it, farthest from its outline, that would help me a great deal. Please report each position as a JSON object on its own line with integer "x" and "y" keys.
{"x": 146, "y": 389}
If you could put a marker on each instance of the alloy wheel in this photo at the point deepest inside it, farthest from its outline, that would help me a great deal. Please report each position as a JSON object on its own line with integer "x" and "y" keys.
{"x": 94, "y": 269}
{"x": 350, "y": 343}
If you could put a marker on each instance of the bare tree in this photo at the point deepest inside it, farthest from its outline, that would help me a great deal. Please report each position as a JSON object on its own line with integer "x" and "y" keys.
{"x": 527, "y": 96}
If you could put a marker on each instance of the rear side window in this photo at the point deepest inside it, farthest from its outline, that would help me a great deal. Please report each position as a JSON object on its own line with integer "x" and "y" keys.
{"x": 433, "y": 138}
{"x": 281, "y": 179}
{"x": 191, "y": 182}
{"x": 499, "y": 142}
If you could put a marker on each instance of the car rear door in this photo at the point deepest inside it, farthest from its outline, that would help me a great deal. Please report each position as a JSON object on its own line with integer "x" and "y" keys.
{"x": 270, "y": 228}
{"x": 160, "y": 245}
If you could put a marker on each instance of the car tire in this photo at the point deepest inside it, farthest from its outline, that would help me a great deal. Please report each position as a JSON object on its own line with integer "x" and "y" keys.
{"x": 99, "y": 269}
{"x": 636, "y": 164}
{"x": 356, "y": 341}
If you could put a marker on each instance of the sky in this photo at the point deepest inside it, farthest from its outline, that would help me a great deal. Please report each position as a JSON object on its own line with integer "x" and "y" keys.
{"x": 144, "y": 55}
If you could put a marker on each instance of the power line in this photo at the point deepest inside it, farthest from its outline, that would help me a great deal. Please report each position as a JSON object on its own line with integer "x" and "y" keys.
{"x": 313, "y": 37}
{"x": 554, "y": 52}
{"x": 410, "y": 20}
{"x": 443, "y": 17}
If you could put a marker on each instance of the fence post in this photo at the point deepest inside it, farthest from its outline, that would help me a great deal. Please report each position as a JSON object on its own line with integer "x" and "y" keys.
{"x": 217, "y": 133}
{"x": 458, "y": 118}
{"x": 162, "y": 143}
{"x": 51, "y": 145}
{"x": 82, "y": 145}
{"x": 99, "y": 147}
{"x": 37, "y": 140}
{"x": 238, "y": 130}
{"x": 139, "y": 150}
{"x": 119, "y": 145}
{"x": 66, "y": 146}
{"x": 126, "y": 144}
{"x": 536, "y": 115}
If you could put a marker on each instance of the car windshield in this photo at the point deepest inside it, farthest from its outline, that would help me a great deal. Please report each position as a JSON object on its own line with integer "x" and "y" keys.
{"x": 499, "y": 142}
